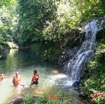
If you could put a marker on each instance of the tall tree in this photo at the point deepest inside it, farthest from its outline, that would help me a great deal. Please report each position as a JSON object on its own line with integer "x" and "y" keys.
{"x": 7, "y": 19}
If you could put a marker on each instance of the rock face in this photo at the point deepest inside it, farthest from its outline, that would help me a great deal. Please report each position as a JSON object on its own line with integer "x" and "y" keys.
{"x": 2, "y": 56}
{"x": 67, "y": 54}
{"x": 73, "y": 43}
{"x": 4, "y": 53}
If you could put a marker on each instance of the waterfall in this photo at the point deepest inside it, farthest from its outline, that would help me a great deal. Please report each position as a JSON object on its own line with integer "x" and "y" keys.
{"x": 76, "y": 64}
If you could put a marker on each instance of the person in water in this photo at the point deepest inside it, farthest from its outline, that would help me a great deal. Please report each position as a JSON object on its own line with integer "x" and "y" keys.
{"x": 16, "y": 79}
{"x": 35, "y": 78}
{"x": 2, "y": 77}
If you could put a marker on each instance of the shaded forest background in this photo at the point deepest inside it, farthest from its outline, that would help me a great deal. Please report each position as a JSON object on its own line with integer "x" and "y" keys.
{"x": 46, "y": 26}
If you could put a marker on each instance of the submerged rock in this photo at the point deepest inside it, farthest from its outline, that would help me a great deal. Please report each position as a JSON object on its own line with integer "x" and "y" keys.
{"x": 2, "y": 57}
{"x": 18, "y": 100}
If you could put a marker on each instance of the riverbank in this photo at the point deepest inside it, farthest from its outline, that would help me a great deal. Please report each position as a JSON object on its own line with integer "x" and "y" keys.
{"x": 61, "y": 98}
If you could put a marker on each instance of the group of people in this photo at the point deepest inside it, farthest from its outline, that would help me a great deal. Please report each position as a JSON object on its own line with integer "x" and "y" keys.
{"x": 16, "y": 78}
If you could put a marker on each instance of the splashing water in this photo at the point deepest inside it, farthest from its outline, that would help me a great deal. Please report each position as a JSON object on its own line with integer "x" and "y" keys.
{"x": 76, "y": 64}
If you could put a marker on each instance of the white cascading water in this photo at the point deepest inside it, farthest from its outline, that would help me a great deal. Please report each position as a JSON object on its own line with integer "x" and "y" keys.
{"x": 76, "y": 64}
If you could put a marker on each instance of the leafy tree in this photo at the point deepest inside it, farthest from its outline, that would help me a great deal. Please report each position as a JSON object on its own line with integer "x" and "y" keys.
{"x": 7, "y": 19}
{"x": 47, "y": 20}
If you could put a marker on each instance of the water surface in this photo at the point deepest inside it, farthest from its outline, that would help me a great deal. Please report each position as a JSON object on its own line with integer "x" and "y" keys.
{"x": 51, "y": 82}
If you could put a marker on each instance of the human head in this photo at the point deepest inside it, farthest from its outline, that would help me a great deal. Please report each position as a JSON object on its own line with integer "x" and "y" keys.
{"x": 2, "y": 74}
{"x": 35, "y": 71}
{"x": 16, "y": 73}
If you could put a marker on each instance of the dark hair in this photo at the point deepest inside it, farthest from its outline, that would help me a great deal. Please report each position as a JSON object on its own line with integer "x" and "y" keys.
{"x": 35, "y": 71}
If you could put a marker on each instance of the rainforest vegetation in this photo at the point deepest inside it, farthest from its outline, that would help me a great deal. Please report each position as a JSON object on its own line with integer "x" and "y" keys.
{"x": 47, "y": 27}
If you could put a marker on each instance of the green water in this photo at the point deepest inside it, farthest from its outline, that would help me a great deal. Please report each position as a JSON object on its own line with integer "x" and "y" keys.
{"x": 24, "y": 61}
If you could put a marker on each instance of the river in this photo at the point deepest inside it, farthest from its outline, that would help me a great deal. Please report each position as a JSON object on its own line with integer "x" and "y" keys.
{"x": 51, "y": 82}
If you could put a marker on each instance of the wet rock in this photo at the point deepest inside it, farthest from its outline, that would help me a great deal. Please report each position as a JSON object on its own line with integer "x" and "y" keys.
{"x": 82, "y": 95}
{"x": 2, "y": 56}
{"x": 4, "y": 53}
{"x": 67, "y": 54}
{"x": 19, "y": 100}
{"x": 75, "y": 84}
{"x": 87, "y": 74}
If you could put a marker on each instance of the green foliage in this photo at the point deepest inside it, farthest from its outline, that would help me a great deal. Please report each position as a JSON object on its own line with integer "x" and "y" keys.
{"x": 3, "y": 45}
{"x": 91, "y": 9}
{"x": 47, "y": 50}
{"x": 101, "y": 38}
{"x": 7, "y": 3}
{"x": 96, "y": 82}
{"x": 99, "y": 100}
{"x": 29, "y": 100}
{"x": 55, "y": 21}
{"x": 1, "y": 49}
{"x": 28, "y": 21}
{"x": 43, "y": 100}
{"x": 46, "y": 20}
{"x": 7, "y": 19}
{"x": 33, "y": 15}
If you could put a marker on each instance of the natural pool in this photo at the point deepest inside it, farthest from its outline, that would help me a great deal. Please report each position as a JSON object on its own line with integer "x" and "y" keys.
{"x": 51, "y": 82}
